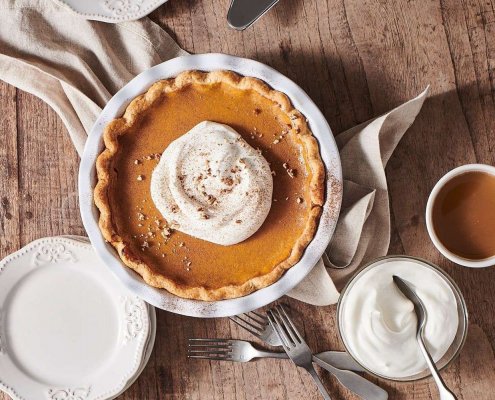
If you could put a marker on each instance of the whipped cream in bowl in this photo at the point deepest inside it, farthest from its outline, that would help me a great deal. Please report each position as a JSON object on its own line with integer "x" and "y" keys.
{"x": 211, "y": 184}
{"x": 377, "y": 323}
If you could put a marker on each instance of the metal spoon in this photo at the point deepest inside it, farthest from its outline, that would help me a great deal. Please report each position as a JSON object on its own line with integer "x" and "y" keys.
{"x": 419, "y": 309}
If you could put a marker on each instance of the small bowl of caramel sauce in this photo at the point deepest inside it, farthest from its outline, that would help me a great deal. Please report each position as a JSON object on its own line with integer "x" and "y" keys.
{"x": 460, "y": 215}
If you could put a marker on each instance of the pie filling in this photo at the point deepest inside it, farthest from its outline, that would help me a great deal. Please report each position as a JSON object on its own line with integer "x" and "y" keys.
{"x": 153, "y": 208}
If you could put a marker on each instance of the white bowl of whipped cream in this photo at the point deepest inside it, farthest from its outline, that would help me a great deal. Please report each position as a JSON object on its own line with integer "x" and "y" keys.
{"x": 377, "y": 324}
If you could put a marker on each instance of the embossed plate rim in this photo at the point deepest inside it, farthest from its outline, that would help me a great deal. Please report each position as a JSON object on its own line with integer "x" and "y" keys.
{"x": 330, "y": 155}
{"x": 124, "y": 364}
{"x": 101, "y": 10}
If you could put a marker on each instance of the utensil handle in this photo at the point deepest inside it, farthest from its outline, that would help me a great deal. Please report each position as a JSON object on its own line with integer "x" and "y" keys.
{"x": 445, "y": 392}
{"x": 271, "y": 354}
{"x": 354, "y": 382}
{"x": 340, "y": 360}
{"x": 319, "y": 383}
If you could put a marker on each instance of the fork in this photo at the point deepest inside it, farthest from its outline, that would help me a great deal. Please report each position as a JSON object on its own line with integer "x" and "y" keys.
{"x": 227, "y": 350}
{"x": 258, "y": 325}
{"x": 294, "y": 345}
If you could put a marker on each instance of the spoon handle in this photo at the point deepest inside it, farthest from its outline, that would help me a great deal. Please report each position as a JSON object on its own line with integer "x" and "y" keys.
{"x": 445, "y": 393}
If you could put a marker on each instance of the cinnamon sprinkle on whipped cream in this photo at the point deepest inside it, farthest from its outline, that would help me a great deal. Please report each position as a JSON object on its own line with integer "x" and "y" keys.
{"x": 202, "y": 180}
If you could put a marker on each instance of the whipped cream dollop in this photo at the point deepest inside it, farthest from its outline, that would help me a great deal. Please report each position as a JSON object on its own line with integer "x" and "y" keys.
{"x": 211, "y": 184}
{"x": 380, "y": 323}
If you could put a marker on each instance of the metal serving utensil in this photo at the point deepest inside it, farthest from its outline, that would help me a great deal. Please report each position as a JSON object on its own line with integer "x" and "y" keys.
{"x": 243, "y": 13}
{"x": 420, "y": 310}
{"x": 294, "y": 345}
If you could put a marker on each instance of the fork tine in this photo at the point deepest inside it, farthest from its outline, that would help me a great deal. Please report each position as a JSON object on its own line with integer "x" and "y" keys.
{"x": 208, "y": 351}
{"x": 260, "y": 316}
{"x": 249, "y": 323}
{"x": 278, "y": 330}
{"x": 262, "y": 323}
{"x": 245, "y": 327}
{"x": 212, "y": 358}
{"x": 211, "y": 340}
{"x": 214, "y": 346}
{"x": 286, "y": 317}
{"x": 286, "y": 326}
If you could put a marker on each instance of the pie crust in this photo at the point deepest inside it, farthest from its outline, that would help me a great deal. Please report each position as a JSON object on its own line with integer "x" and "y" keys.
{"x": 146, "y": 101}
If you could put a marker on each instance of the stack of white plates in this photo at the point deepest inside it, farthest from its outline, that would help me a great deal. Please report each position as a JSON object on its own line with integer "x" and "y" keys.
{"x": 68, "y": 328}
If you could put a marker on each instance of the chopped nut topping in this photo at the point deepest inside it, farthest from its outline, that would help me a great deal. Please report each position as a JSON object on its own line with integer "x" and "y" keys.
{"x": 276, "y": 141}
{"x": 285, "y": 165}
{"x": 141, "y": 217}
{"x": 140, "y": 177}
{"x": 211, "y": 199}
{"x": 144, "y": 245}
{"x": 274, "y": 173}
{"x": 293, "y": 117}
{"x": 238, "y": 221}
{"x": 205, "y": 216}
{"x": 189, "y": 264}
{"x": 175, "y": 209}
{"x": 290, "y": 172}
{"x": 136, "y": 162}
{"x": 299, "y": 200}
{"x": 242, "y": 161}
{"x": 181, "y": 244}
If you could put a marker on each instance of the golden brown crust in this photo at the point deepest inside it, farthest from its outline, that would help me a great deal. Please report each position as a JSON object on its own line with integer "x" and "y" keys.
{"x": 145, "y": 101}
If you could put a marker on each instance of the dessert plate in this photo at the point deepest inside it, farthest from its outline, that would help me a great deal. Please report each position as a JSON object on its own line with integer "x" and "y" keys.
{"x": 111, "y": 10}
{"x": 329, "y": 152}
{"x": 68, "y": 328}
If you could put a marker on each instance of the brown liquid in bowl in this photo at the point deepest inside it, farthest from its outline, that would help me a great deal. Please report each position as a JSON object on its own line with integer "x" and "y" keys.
{"x": 464, "y": 215}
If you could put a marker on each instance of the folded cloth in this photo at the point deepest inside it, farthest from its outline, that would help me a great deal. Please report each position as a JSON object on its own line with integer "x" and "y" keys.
{"x": 73, "y": 64}
{"x": 76, "y": 65}
{"x": 363, "y": 229}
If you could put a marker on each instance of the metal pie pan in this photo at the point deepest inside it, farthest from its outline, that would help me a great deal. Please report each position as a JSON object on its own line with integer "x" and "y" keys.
{"x": 328, "y": 148}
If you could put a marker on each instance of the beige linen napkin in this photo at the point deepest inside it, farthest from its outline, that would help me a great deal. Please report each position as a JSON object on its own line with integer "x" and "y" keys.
{"x": 363, "y": 229}
{"x": 77, "y": 65}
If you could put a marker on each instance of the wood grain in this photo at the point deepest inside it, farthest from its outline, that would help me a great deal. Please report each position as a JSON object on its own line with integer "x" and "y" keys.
{"x": 356, "y": 59}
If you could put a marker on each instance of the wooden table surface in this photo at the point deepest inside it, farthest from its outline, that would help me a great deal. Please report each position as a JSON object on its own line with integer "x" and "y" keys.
{"x": 356, "y": 59}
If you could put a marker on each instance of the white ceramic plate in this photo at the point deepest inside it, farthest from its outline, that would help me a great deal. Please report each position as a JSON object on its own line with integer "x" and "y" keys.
{"x": 68, "y": 328}
{"x": 111, "y": 10}
{"x": 321, "y": 130}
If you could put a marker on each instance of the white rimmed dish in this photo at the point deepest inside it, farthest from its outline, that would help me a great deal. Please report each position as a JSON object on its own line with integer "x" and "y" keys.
{"x": 328, "y": 149}
{"x": 68, "y": 328}
{"x": 112, "y": 11}
{"x": 429, "y": 216}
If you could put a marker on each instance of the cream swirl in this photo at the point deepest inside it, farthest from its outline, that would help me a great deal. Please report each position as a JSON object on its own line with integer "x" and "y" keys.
{"x": 213, "y": 185}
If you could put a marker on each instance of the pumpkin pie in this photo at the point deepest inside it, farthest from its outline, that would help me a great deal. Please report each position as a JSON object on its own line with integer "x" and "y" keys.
{"x": 177, "y": 259}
